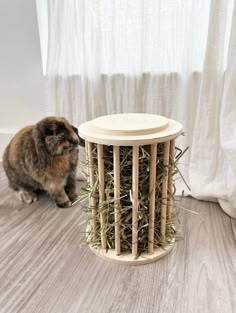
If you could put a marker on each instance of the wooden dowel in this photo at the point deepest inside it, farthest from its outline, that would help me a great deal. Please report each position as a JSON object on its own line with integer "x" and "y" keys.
{"x": 91, "y": 178}
{"x": 170, "y": 183}
{"x": 87, "y": 158}
{"x": 135, "y": 177}
{"x": 164, "y": 189}
{"x": 116, "y": 162}
{"x": 152, "y": 189}
{"x": 101, "y": 195}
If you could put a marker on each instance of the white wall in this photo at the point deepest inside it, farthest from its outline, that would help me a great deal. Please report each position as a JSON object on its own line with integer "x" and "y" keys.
{"x": 22, "y": 95}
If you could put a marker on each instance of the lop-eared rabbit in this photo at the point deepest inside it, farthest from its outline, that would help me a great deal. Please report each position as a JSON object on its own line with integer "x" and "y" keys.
{"x": 44, "y": 157}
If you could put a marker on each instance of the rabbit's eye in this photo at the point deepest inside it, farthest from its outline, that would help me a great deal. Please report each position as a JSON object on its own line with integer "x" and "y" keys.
{"x": 60, "y": 128}
{"x": 49, "y": 132}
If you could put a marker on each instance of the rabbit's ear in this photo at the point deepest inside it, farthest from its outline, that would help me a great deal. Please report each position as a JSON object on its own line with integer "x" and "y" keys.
{"x": 40, "y": 148}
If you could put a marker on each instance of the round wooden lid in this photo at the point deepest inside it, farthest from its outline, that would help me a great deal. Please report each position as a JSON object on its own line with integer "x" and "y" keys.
{"x": 130, "y": 129}
{"x": 130, "y": 124}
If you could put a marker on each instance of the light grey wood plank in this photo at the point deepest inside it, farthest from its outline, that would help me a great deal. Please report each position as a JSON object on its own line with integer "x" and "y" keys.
{"x": 233, "y": 223}
{"x": 43, "y": 268}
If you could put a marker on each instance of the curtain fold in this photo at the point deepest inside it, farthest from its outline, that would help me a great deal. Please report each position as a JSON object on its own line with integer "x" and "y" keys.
{"x": 228, "y": 127}
{"x": 173, "y": 58}
{"x": 206, "y": 160}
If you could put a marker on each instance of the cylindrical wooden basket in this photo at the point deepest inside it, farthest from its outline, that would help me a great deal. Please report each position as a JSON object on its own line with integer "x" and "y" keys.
{"x": 133, "y": 130}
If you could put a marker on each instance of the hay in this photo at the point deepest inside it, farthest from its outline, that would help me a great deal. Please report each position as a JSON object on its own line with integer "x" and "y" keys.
{"x": 108, "y": 206}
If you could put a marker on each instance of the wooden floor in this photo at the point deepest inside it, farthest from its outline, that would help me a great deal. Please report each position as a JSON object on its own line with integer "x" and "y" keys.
{"x": 43, "y": 267}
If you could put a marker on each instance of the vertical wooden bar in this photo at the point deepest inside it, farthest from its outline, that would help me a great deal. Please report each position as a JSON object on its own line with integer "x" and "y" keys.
{"x": 170, "y": 183}
{"x": 101, "y": 195}
{"x": 135, "y": 177}
{"x": 116, "y": 163}
{"x": 152, "y": 189}
{"x": 92, "y": 200}
{"x": 87, "y": 160}
{"x": 164, "y": 189}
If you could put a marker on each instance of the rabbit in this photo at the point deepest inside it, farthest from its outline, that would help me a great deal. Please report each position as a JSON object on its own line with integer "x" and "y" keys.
{"x": 44, "y": 156}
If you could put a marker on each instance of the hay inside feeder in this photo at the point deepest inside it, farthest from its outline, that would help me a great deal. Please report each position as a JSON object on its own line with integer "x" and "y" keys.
{"x": 107, "y": 207}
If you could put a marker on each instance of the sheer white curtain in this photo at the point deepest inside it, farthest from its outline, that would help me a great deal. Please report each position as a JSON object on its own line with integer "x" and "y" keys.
{"x": 164, "y": 57}
{"x": 212, "y": 165}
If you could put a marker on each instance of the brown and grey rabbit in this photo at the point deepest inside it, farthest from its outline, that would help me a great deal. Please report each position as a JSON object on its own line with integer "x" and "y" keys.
{"x": 44, "y": 157}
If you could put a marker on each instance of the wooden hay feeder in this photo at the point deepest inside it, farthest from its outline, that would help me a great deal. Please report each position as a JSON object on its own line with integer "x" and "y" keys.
{"x": 127, "y": 154}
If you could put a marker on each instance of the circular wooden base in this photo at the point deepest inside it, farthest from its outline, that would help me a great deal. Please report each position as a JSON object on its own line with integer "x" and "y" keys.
{"x": 128, "y": 259}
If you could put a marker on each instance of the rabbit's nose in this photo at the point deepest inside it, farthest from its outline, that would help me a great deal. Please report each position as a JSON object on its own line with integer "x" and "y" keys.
{"x": 74, "y": 138}
{"x": 75, "y": 141}
{"x": 81, "y": 142}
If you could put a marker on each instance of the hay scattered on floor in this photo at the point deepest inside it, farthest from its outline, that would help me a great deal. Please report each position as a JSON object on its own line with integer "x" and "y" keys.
{"x": 108, "y": 206}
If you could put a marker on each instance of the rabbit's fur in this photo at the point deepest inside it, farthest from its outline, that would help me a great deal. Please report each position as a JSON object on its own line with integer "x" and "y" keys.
{"x": 44, "y": 157}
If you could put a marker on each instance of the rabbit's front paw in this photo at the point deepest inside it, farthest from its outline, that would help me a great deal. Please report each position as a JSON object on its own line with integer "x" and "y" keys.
{"x": 27, "y": 197}
{"x": 73, "y": 197}
{"x": 65, "y": 204}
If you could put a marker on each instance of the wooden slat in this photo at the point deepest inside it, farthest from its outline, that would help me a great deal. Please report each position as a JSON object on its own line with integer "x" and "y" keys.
{"x": 116, "y": 162}
{"x": 101, "y": 195}
{"x": 164, "y": 189}
{"x": 152, "y": 189}
{"x": 135, "y": 178}
{"x": 170, "y": 183}
{"x": 92, "y": 200}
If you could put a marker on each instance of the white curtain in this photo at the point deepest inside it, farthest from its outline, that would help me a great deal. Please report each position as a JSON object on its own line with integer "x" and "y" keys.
{"x": 173, "y": 58}
{"x": 228, "y": 126}
{"x": 212, "y": 169}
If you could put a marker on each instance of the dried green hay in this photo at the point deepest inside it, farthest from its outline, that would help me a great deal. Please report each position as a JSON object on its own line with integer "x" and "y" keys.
{"x": 108, "y": 206}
